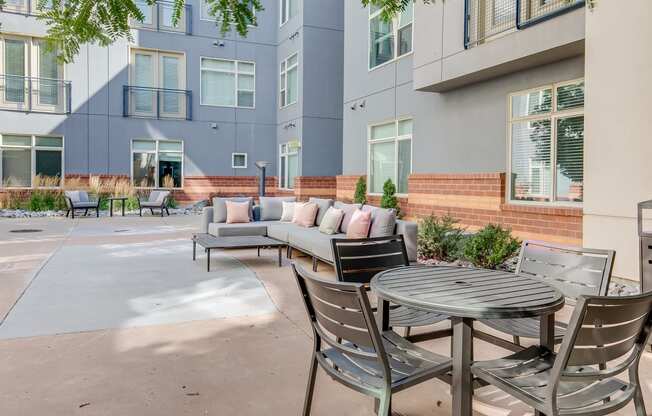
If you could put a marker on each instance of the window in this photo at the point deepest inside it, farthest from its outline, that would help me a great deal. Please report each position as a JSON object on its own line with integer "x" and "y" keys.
{"x": 158, "y": 83}
{"x": 391, "y": 39}
{"x": 159, "y": 16}
{"x": 27, "y": 161}
{"x": 547, "y": 144}
{"x": 289, "y": 80}
{"x": 239, "y": 160}
{"x": 206, "y": 12}
{"x": 29, "y": 7}
{"x": 288, "y": 9}
{"x": 288, "y": 165}
{"x": 228, "y": 83}
{"x": 157, "y": 163}
{"x": 390, "y": 155}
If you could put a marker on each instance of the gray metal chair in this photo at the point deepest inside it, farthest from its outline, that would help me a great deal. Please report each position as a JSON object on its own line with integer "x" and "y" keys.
{"x": 606, "y": 337}
{"x": 76, "y": 200}
{"x": 574, "y": 271}
{"x": 359, "y": 260}
{"x": 156, "y": 200}
{"x": 373, "y": 363}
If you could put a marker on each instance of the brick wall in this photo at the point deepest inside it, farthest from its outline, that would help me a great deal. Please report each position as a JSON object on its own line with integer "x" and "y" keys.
{"x": 306, "y": 187}
{"x": 197, "y": 188}
{"x": 346, "y": 187}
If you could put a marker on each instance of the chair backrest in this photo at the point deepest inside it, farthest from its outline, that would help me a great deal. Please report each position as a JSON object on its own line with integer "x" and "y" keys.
{"x": 77, "y": 196}
{"x": 341, "y": 317}
{"x": 358, "y": 260}
{"x": 606, "y": 336}
{"x": 574, "y": 271}
{"x": 158, "y": 196}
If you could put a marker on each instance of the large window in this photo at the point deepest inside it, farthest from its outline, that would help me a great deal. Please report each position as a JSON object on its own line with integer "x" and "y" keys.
{"x": 390, "y": 155}
{"x": 391, "y": 39}
{"x": 212, "y": 16}
{"x": 288, "y": 165}
{"x": 288, "y": 9}
{"x": 160, "y": 16}
{"x": 289, "y": 80}
{"x": 228, "y": 83}
{"x": 27, "y": 161}
{"x": 547, "y": 144}
{"x": 157, "y": 163}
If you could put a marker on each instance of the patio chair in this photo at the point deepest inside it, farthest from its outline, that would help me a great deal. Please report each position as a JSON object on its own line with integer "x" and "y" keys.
{"x": 372, "y": 363}
{"x": 156, "y": 200}
{"x": 359, "y": 260}
{"x": 577, "y": 381}
{"x": 574, "y": 271}
{"x": 76, "y": 200}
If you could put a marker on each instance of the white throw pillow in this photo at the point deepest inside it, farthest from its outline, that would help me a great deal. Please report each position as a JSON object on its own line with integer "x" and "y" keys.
{"x": 331, "y": 222}
{"x": 288, "y": 211}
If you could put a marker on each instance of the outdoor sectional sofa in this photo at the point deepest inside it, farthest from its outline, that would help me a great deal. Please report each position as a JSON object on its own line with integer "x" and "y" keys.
{"x": 309, "y": 240}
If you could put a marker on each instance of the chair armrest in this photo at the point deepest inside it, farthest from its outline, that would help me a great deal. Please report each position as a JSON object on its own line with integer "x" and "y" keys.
{"x": 206, "y": 219}
{"x": 409, "y": 231}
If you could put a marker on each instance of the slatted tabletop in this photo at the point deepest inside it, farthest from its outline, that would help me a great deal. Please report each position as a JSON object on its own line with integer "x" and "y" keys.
{"x": 467, "y": 292}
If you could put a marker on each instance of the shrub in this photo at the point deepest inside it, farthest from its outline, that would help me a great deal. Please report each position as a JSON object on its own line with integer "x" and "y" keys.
{"x": 439, "y": 238}
{"x": 389, "y": 199}
{"x": 172, "y": 202}
{"x": 360, "y": 196}
{"x": 36, "y": 201}
{"x": 491, "y": 246}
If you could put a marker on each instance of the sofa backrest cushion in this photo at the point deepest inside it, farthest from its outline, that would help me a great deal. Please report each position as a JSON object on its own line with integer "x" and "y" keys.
{"x": 237, "y": 212}
{"x": 383, "y": 221}
{"x": 77, "y": 196}
{"x": 305, "y": 214}
{"x": 348, "y": 209}
{"x": 271, "y": 207}
{"x": 330, "y": 224}
{"x": 323, "y": 205}
{"x": 158, "y": 196}
{"x": 359, "y": 225}
{"x": 219, "y": 207}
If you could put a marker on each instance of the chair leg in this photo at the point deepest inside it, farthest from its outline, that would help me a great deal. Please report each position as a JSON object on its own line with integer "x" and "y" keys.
{"x": 166, "y": 210}
{"x": 407, "y": 331}
{"x": 86, "y": 212}
{"x": 517, "y": 340}
{"x": 307, "y": 404}
{"x": 383, "y": 406}
{"x": 140, "y": 212}
{"x": 314, "y": 264}
{"x": 152, "y": 211}
{"x": 97, "y": 212}
{"x": 73, "y": 213}
{"x": 289, "y": 253}
{"x": 67, "y": 213}
{"x": 639, "y": 404}
{"x": 162, "y": 212}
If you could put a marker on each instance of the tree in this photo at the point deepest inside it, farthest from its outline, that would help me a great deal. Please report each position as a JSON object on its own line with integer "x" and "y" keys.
{"x": 389, "y": 199}
{"x": 360, "y": 196}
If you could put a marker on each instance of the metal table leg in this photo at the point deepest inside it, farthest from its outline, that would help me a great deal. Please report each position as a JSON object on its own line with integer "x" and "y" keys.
{"x": 111, "y": 207}
{"x": 546, "y": 338}
{"x": 194, "y": 249}
{"x": 462, "y": 383}
{"x": 280, "y": 256}
{"x": 208, "y": 260}
{"x": 124, "y": 202}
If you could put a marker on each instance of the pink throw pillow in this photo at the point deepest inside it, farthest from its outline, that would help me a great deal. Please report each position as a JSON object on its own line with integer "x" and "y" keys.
{"x": 359, "y": 225}
{"x": 237, "y": 212}
{"x": 305, "y": 214}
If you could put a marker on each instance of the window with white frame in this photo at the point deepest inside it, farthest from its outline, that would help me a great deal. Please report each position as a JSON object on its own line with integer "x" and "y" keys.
{"x": 239, "y": 160}
{"x": 29, "y": 7}
{"x": 31, "y": 77}
{"x": 288, "y": 9}
{"x": 228, "y": 83}
{"x": 389, "y": 39}
{"x": 546, "y": 144}
{"x": 289, "y": 83}
{"x": 288, "y": 165}
{"x": 27, "y": 161}
{"x": 157, "y": 163}
{"x": 160, "y": 16}
{"x": 213, "y": 16}
{"x": 390, "y": 155}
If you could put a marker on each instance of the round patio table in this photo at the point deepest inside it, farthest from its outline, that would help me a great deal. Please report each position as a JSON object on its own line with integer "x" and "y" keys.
{"x": 466, "y": 294}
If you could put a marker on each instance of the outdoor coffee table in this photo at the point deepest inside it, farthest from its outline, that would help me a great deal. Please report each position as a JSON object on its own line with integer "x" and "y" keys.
{"x": 210, "y": 242}
{"x": 467, "y": 294}
{"x": 117, "y": 198}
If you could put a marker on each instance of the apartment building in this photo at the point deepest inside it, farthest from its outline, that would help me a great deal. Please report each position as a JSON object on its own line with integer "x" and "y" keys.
{"x": 178, "y": 106}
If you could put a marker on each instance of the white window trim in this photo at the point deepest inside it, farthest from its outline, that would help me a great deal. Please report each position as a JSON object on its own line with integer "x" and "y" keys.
{"x": 281, "y": 154}
{"x": 156, "y": 162}
{"x": 236, "y": 72}
{"x": 396, "y": 139}
{"x": 287, "y": 9}
{"x": 29, "y": 8}
{"x": 553, "y": 116}
{"x": 157, "y": 23}
{"x": 234, "y": 166}
{"x": 283, "y": 87}
{"x": 395, "y": 21}
{"x": 33, "y": 147}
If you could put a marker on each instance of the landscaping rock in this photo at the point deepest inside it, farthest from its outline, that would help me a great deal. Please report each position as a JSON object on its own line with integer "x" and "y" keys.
{"x": 20, "y": 213}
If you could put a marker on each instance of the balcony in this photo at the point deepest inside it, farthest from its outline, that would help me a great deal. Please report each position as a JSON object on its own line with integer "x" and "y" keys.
{"x": 158, "y": 103}
{"x": 26, "y": 7}
{"x": 158, "y": 17}
{"x": 38, "y": 95}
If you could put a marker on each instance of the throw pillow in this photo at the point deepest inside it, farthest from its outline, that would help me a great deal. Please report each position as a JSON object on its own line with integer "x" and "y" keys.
{"x": 330, "y": 224}
{"x": 219, "y": 207}
{"x": 305, "y": 214}
{"x": 237, "y": 212}
{"x": 323, "y": 205}
{"x": 271, "y": 207}
{"x": 359, "y": 225}
{"x": 288, "y": 211}
{"x": 349, "y": 210}
{"x": 383, "y": 222}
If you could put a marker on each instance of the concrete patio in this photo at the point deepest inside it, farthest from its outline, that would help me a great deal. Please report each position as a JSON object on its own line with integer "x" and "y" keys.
{"x": 112, "y": 317}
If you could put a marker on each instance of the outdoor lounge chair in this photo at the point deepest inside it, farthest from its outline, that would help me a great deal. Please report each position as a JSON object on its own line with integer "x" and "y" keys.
{"x": 366, "y": 360}
{"x": 80, "y": 200}
{"x": 156, "y": 200}
{"x": 605, "y": 338}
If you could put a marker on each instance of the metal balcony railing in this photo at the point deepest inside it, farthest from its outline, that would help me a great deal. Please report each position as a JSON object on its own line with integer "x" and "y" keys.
{"x": 42, "y": 95}
{"x": 25, "y": 7}
{"x": 159, "y": 17}
{"x": 487, "y": 19}
{"x": 159, "y": 103}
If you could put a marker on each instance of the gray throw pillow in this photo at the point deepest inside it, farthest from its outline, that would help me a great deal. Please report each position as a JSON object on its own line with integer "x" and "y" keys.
{"x": 323, "y": 205}
{"x": 219, "y": 207}
{"x": 271, "y": 207}
{"x": 383, "y": 221}
{"x": 348, "y": 209}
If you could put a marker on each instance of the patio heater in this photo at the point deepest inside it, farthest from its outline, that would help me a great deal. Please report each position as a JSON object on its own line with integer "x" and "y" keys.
{"x": 262, "y": 165}
{"x": 645, "y": 244}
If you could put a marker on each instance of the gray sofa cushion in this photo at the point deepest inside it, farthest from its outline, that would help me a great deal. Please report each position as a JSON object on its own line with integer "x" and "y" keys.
{"x": 321, "y": 247}
{"x": 238, "y": 230}
{"x": 348, "y": 209}
{"x": 383, "y": 221}
{"x": 323, "y": 205}
{"x": 219, "y": 207}
{"x": 271, "y": 207}
{"x": 280, "y": 230}
{"x": 301, "y": 238}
